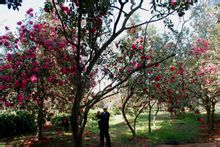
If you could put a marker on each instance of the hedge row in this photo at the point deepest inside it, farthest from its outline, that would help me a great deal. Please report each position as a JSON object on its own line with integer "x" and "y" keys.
{"x": 16, "y": 123}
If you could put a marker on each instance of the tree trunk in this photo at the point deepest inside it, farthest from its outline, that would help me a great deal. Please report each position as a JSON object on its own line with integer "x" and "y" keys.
{"x": 125, "y": 118}
{"x": 149, "y": 119}
{"x": 40, "y": 120}
{"x": 208, "y": 115}
{"x": 135, "y": 119}
{"x": 213, "y": 117}
{"x": 213, "y": 120}
{"x": 77, "y": 139}
{"x": 77, "y": 128}
{"x": 76, "y": 132}
{"x": 155, "y": 115}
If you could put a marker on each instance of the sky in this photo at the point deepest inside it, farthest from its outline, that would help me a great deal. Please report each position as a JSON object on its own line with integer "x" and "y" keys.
{"x": 9, "y": 17}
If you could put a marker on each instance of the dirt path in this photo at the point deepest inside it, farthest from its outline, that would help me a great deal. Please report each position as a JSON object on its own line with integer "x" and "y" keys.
{"x": 214, "y": 136}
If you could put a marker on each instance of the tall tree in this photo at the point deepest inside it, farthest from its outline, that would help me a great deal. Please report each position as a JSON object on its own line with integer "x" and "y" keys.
{"x": 89, "y": 29}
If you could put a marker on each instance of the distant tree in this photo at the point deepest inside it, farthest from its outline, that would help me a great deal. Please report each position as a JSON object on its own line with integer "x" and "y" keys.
{"x": 14, "y": 4}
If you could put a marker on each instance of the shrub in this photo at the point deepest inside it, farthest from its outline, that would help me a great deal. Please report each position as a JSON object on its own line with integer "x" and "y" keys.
{"x": 16, "y": 123}
{"x": 57, "y": 120}
{"x": 92, "y": 116}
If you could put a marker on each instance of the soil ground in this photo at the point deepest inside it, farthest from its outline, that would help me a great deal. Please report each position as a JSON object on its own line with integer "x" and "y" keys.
{"x": 204, "y": 140}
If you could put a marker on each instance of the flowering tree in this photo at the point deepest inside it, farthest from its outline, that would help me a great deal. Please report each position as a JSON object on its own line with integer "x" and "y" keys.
{"x": 206, "y": 69}
{"x": 30, "y": 70}
{"x": 86, "y": 27}
{"x": 76, "y": 51}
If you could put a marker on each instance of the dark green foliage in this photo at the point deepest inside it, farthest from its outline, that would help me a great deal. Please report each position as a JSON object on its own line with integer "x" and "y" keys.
{"x": 18, "y": 123}
{"x": 57, "y": 120}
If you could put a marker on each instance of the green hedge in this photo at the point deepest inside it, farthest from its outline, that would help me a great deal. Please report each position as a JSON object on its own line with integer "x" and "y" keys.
{"x": 16, "y": 123}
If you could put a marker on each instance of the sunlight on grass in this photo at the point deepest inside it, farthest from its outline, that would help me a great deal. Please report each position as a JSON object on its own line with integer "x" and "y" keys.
{"x": 181, "y": 130}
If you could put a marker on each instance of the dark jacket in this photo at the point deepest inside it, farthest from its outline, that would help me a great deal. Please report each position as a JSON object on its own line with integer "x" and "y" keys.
{"x": 103, "y": 121}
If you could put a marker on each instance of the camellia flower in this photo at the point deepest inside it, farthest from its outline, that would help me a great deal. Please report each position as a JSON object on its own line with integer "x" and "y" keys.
{"x": 20, "y": 98}
{"x": 50, "y": 79}
{"x": 19, "y": 23}
{"x": 157, "y": 65}
{"x": 140, "y": 47}
{"x": 172, "y": 68}
{"x": 133, "y": 46}
{"x": 138, "y": 65}
{"x": 157, "y": 78}
{"x": 33, "y": 79}
{"x": 148, "y": 57}
{"x": 24, "y": 83}
{"x": 158, "y": 86}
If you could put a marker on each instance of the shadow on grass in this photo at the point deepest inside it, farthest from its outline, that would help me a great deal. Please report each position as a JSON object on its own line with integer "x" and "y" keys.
{"x": 184, "y": 129}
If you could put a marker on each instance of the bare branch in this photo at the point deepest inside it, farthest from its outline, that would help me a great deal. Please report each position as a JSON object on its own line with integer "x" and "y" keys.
{"x": 63, "y": 25}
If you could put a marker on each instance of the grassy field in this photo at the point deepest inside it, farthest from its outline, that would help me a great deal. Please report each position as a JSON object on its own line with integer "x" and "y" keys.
{"x": 183, "y": 129}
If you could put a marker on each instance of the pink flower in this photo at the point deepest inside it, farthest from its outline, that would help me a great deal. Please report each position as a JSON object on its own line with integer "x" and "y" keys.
{"x": 157, "y": 78}
{"x": 142, "y": 57}
{"x": 7, "y": 66}
{"x": 33, "y": 79}
{"x": 29, "y": 11}
{"x": 169, "y": 91}
{"x": 179, "y": 71}
{"x": 35, "y": 63}
{"x": 63, "y": 70}
{"x": 157, "y": 65}
{"x": 138, "y": 65}
{"x": 19, "y": 23}
{"x": 134, "y": 63}
{"x": 47, "y": 65}
{"x": 76, "y": 2}
{"x": 3, "y": 87}
{"x": 148, "y": 57}
{"x": 62, "y": 44}
{"x": 6, "y": 43}
{"x": 20, "y": 98}
{"x": 129, "y": 70}
{"x": 140, "y": 47}
{"x": 17, "y": 83}
{"x": 172, "y": 68}
{"x": 133, "y": 46}
{"x": 158, "y": 86}
{"x": 120, "y": 70}
{"x": 24, "y": 84}
{"x": 50, "y": 79}
{"x": 91, "y": 74}
{"x": 30, "y": 22}
{"x": 35, "y": 69}
{"x": 151, "y": 50}
{"x": 172, "y": 79}
{"x": 8, "y": 104}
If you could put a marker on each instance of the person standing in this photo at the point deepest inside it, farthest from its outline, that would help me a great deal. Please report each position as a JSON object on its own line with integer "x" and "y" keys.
{"x": 103, "y": 122}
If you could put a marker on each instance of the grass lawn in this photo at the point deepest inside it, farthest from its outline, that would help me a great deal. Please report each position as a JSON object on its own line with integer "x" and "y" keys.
{"x": 184, "y": 129}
